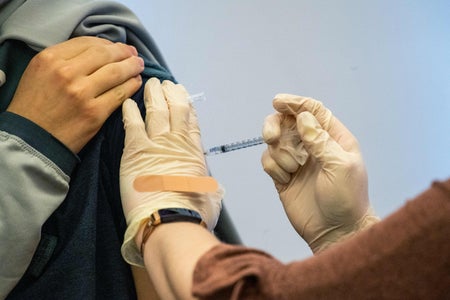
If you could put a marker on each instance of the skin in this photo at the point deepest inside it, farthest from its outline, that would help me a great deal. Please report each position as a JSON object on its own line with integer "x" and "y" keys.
{"x": 71, "y": 88}
{"x": 145, "y": 289}
{"x": 75, "y": 86}
{"x": 170, "y": 256}
{"x": 173, "y": 249}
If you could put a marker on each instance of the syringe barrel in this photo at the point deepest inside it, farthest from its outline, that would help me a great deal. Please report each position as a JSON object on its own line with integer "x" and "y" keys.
{"x": 234, "y": 146}
{"x": 242, "y": 144}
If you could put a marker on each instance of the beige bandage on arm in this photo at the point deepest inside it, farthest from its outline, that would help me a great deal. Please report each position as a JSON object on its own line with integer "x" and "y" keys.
{"x": 153, "y": 183}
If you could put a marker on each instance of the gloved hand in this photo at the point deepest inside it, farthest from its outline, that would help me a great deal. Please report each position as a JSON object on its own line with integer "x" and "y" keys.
{"x": 322, "y": 185}
{"x": 167, "y": 144}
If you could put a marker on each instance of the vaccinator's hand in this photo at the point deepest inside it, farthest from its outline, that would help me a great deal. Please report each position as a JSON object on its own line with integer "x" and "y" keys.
{"x": 323, "y": 185}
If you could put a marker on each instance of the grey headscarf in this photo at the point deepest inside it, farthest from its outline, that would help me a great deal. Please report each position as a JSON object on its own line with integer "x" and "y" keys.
{"x": 42, "y": 23}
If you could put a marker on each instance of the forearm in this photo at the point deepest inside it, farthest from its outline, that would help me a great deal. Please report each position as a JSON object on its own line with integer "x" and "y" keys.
{"x": 145, "y": 289}
{"x": 406, "y": 256}
{"x": 180, "y": 190}
{"x": 171, "y": 253}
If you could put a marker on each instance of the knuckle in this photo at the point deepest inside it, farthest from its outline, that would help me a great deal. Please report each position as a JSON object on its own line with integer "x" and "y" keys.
{"x": 46, "y": 55}
{"x": 124, "y": 49}
{"x": 64, "y": 74}
{"x": 47, "y": 62}
{"x": 44, "y": 59}
{"x": 75, "y": 92}
{"x": 125, "y": 88}
{"x": 120, "y": 94}
{"x": 115, "y": 73}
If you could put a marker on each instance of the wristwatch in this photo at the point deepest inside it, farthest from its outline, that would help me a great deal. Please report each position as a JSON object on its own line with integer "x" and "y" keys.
{"x": 169, "y": 215}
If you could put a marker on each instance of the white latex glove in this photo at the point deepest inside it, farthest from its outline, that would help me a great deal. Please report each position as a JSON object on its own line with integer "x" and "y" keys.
{"x": 323, "y": 186}
{"x": 167, "y": 144}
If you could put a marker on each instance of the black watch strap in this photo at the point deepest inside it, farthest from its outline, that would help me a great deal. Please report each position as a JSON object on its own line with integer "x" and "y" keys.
{"x": 169, "y": 215}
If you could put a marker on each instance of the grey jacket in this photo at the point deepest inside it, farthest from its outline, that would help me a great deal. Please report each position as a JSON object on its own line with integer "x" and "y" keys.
{"x": 34, "y": 183}
{"x": 32, "y": 186}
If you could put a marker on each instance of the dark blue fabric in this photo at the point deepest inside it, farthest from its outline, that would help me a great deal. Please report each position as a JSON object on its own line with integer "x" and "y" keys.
{"x": 89, "y": 225}
{"x": 14, "y": 58}
{"x": 43, "y": 254}
{"x": 40, "y": 139}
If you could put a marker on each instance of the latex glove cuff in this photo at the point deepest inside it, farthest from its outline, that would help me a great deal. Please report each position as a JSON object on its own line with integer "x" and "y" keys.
{"x": 140, "y": 215}
{"x": 341, "y": 233}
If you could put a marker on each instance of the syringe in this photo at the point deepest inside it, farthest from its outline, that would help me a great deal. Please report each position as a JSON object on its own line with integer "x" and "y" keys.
{"x": 226, "y": 147}
{"x": 234, "y": 146}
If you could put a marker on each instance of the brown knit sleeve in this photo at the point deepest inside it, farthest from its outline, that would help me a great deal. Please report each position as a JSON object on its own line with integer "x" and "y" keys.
{"x": 406, "y": 256}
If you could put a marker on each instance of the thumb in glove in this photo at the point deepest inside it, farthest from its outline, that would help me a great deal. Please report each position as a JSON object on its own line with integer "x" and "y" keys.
{"x": 326, "y": 198}
{"x": 166, "y": 145}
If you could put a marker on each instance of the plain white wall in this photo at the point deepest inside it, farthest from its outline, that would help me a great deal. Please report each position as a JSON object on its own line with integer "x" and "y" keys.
{"x": 382, "y": 67}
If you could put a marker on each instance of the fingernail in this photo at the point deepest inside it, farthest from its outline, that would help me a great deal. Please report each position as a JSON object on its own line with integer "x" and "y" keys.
{"x": 133, "y": 49}
{"x": 141, "y": 62}
{"x": 309, "y": 127}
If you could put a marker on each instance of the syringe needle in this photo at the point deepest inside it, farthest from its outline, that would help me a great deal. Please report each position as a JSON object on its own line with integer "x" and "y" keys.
{"x": 234, "y": 146}
{"x": 197, "y": 97}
